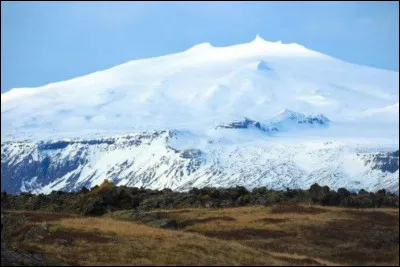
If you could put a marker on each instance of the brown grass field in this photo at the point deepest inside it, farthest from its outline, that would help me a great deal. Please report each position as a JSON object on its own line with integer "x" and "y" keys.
{"x": 278, "y": 235}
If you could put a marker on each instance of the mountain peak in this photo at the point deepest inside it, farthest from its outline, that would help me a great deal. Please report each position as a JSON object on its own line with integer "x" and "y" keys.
{"x": 259, "y": 40}
{"x": 287, "y": 113}
{"x": 279, "y": 47}
{"x": 200, "y": 47}
{"x": 300, "y": 118}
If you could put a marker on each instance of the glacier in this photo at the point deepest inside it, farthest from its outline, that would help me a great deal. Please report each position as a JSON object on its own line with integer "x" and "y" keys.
{"x": 255, "y": 114}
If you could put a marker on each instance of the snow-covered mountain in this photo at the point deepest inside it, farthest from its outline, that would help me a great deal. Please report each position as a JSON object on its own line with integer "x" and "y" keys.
{"x": 258, "y": 114}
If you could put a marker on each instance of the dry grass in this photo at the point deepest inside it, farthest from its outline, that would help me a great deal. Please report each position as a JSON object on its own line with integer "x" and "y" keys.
{"x": 139, "y": 244}
{"x": 328, "y": 235}
{"x": 105, "y": 241}
{"x": 277, "y": 235}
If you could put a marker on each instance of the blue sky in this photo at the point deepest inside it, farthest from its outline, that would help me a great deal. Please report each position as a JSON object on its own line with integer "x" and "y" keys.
{"x": 43, "y": 42}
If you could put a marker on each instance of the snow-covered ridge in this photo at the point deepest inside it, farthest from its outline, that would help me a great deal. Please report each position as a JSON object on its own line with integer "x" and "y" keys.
{"x": 182, "y": 160}
{"x": 285, "y": 120}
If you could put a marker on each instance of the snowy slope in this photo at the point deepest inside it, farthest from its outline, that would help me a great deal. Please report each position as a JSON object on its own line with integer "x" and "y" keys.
{"x": 201, "y": 87}
{"x": 257, "y": 114}
{"x": 181, "y": 160}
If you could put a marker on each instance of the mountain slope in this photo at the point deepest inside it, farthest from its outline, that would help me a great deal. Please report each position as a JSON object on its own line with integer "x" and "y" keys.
{"x": 181, "y": 160}
{"x": 200, "y": 87}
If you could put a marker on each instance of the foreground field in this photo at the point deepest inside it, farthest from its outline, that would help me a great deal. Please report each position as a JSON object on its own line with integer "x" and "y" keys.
{"x": 278, "y": 235}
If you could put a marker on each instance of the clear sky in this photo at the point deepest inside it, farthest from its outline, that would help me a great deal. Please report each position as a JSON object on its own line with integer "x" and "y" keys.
{"x": 43, "y": 42}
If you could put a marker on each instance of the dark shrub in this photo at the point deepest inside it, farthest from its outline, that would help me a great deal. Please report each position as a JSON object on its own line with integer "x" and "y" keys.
{"x": 243, "y": 200}
{"x": 135, "y": 202}
{"x": 343, "y": 194}
{"x": 194, "y": 191}
{"x": 319, "y": 194}
{"x": 95, "y": 209}
{"x": 110, "y": 197}
{"x": 362, "y": 192}
{"x": 381, "y": 192}
{"x": 332, "y": 199}
{"x": 84, "y": 190}
{"x": 259, "y": 190}
{"x": 241, "y": 191}
{"x": 272, "y": 198}
{"x": 94, "y": 188}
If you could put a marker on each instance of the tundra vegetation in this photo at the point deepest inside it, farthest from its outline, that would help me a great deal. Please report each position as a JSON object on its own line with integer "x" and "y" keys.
{"x": 116, "y": 225}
